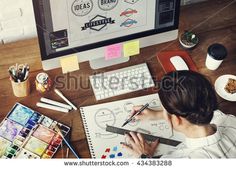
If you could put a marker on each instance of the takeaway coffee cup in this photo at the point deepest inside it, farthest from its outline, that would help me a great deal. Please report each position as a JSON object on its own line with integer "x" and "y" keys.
{"x": 215, "y": 55}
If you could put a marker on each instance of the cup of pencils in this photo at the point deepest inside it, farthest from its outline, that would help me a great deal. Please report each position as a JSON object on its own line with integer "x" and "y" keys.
{"x": 19, "y": 79}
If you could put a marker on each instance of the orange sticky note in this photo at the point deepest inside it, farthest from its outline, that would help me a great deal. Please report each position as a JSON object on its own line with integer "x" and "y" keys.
{"x": 131, "y": 48}
{"x": 69, "y": 64}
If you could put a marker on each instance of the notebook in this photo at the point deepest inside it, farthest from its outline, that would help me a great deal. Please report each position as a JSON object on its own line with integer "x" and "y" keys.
{"x": 103, "y": 144}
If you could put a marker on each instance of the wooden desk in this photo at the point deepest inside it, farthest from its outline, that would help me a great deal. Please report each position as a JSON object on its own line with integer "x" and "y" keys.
{"x": 213, "y": 21}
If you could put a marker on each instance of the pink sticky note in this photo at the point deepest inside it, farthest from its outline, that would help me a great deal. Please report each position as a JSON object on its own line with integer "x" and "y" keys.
{"x": 113, "y": 51}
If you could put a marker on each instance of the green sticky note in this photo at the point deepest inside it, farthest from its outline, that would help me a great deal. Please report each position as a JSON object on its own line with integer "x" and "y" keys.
{"x": 69, "y": 64}
{"x": 131, "y": 48}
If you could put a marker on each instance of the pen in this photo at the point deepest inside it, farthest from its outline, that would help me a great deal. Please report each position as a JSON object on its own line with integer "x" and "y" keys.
{"x": 23, "y": 72}
{"x": 26, "y": 73}
{"x": 12, "y": 76}
{"x": 19, "y": 72}
{"x": 137, "y": 113}
{"x": 16, "y": 71}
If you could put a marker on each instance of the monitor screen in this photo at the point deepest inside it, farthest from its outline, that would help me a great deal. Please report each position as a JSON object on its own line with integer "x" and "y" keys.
{"x": 70, "y": 26}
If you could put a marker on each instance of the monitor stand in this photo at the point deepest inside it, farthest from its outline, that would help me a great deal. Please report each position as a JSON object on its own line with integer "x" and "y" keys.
{"x": 101, "y": 62}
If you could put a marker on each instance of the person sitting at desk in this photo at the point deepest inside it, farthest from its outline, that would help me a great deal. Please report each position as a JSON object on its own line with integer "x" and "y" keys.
{"x": 190, "y": 105}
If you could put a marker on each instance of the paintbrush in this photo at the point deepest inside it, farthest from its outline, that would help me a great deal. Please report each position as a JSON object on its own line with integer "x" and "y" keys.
{"x": 70, "y": 147}
{"x": 67, "y": 152}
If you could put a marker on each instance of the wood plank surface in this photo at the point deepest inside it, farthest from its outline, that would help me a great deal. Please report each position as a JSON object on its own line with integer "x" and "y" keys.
{"x": 213, "y": 21}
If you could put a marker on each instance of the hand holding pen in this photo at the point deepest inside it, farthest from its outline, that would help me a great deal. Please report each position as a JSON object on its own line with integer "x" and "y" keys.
{"x": 19, "y": 73}
{"x": 135, "y": 114}
{"x": 148, "y": 114}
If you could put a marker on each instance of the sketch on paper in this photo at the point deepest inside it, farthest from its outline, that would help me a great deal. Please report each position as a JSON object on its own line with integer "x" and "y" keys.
{"x": 96, "y": 117}
{"x": 106, "y": 135}
{"x": 104, "y": 117}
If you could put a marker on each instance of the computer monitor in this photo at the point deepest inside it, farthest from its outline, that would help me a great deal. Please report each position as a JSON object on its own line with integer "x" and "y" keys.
{"x": 86, "y": 27}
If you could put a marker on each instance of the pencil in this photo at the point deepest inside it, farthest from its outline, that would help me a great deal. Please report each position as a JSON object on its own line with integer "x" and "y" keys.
{"x": 62, "y": 150}
{"x": 67, "y": 152}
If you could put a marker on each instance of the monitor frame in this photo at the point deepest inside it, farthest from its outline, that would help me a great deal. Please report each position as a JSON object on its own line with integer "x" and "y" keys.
{"x": 42, "y": 44}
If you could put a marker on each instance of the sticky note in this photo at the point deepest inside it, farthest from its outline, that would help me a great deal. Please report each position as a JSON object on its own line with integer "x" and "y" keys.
{"x": 112, "y": 156}
{"x": 107, "y": 150}
{"x": 119, "y": 154}
{"x": 104, "y": 156}
{"x": 131, "y": 48}
{"x": 69, "y": 64}
{"x": 115, "y": 148}
{"x": 113, "y": 51}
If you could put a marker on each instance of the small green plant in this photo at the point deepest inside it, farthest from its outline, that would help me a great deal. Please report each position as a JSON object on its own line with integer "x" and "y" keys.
{"x": 189, "y": 38}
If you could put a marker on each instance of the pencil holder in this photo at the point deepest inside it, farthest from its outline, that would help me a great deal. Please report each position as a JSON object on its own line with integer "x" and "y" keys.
{"x": 21, "y": 89}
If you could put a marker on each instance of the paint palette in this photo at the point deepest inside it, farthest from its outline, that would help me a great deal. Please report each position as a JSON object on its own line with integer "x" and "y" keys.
{"x": 27, "y": 134}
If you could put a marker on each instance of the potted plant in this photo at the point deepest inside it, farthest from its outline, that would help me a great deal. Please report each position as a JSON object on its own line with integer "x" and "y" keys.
{"x": 188, "y": 40}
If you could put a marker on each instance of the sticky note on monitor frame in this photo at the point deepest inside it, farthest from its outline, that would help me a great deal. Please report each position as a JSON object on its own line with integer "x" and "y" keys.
{"x": 69, "y": 64}
{"x": 113, "y": 51}
{"x": 131, "y": 48}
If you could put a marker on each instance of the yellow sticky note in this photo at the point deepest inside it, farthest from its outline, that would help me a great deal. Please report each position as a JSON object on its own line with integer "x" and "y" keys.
{"x": 69, "y": 64}
{"x": 131, "y": 48}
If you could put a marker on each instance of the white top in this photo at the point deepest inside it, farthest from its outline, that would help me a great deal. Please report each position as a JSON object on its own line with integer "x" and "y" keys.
{"x": 222, "y": 144}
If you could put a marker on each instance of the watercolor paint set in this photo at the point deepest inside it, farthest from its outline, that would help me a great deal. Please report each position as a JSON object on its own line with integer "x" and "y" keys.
{"x": 27, "y": 134}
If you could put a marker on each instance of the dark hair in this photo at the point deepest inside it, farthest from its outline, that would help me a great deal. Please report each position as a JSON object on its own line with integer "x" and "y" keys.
{"x": 190, "y": 95}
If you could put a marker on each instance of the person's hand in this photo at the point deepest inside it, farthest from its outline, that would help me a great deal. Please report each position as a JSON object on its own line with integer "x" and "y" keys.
{"x": 138, "y": 146}
{"x": 146, "y": 114}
